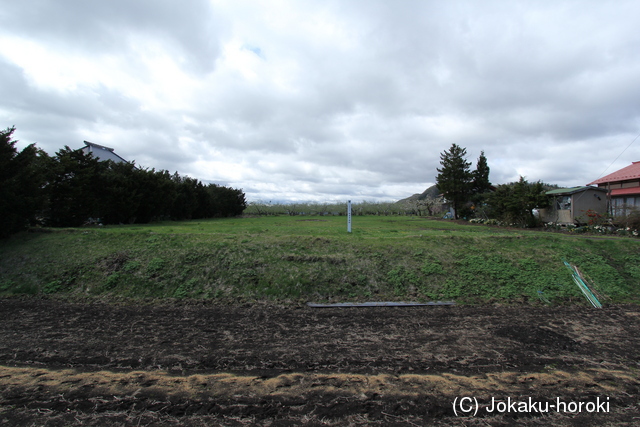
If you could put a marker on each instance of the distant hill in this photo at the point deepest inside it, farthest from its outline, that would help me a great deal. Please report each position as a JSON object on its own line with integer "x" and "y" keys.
{"x": 434, "y": 192}
{"x": 429, "y": 192}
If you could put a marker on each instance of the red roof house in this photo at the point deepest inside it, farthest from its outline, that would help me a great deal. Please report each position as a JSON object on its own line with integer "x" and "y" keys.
{"x": 624, "y": 188}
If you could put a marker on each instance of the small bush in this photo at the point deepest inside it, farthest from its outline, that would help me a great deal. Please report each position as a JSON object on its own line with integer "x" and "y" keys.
{"x": 185, "y": 289}
{"x": 432, "y": 267}
{"x": 131, "y": 266}
{"x": 111, "y": 281}
{"x": 155, "y": 266}
{"x": 5, "y": 285}
{"x": 401, "y": 278}
{"x": 52, "y": 287}
{"x": 490, "y": 221}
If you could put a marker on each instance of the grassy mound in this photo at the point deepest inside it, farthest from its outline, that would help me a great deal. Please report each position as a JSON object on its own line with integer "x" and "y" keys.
{"x": 315, "y": 259}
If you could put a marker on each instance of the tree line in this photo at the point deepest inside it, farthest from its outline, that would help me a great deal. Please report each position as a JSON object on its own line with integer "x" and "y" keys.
{"x": 471, "y": 194}
{"x": 72, "y": 188}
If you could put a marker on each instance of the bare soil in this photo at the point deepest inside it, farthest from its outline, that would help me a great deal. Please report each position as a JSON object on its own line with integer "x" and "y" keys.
{"x": 200, "y": 365}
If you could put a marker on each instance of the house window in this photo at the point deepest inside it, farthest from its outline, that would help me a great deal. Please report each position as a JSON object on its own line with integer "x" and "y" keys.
{"x": 625, "y": 205}
{"x": 563, "y": 203}
{"x": 617, "y": 206}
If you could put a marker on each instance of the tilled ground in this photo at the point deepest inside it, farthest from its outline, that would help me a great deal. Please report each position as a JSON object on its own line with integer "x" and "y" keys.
{"x": 99, "y": 364}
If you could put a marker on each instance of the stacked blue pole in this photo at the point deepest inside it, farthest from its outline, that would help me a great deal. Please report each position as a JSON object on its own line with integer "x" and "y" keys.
{"x": 578, "y": 279}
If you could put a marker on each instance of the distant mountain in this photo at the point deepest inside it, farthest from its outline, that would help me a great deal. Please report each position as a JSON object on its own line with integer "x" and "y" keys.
{"x": 429, "y": 192}
{"x": 434, "y": 192}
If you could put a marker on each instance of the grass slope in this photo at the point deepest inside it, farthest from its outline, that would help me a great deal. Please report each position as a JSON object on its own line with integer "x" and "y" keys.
{"x": 315, "y": 259}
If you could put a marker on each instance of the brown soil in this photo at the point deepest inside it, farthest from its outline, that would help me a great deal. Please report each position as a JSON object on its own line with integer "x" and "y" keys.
{"x": 97, "y": 364}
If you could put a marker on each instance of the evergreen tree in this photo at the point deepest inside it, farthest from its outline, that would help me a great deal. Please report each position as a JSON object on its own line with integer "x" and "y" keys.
{"x": 76, "y": 188}
{"x": 481, "y": 183}
{"x": 515, "y": 202}
{"x": 22, "y": 184}
{"x": 72, "y": 187}
{"x": 122, "y": 193}
{"x": 157, "y": 194}
{"x": 480, "y": 186}
{"x": 226, "y": 201}
{"x": 455, "y": 179}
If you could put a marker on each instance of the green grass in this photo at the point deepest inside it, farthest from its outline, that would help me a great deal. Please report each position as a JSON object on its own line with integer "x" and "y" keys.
{"x": 284, "y": 258}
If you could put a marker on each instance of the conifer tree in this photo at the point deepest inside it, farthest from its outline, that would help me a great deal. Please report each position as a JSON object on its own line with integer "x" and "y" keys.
{"x": 455, "y": 179}
{"x": 22, "y": 178}
{"x": 481, "y": 183}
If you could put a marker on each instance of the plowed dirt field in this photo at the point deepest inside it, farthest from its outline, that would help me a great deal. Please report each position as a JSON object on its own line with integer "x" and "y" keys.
{"x": 200, "y": 365}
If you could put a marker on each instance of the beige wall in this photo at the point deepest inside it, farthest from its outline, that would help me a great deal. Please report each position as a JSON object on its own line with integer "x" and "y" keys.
{"x": 554, "y": 215}
{"x": 580, "y": 204}
{"x": 587, "y": 200}
{"x": 617, "y": 185}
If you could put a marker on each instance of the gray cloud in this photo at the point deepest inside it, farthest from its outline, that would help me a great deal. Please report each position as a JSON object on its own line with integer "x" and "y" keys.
{"x": 312, "y": 100}
{"x": 190, "y": 30}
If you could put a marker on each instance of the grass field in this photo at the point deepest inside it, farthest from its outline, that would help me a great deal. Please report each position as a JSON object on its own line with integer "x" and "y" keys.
{"x": 296, "y": 259}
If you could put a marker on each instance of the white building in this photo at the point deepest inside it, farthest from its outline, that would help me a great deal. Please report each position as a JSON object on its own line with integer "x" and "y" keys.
{"x": 101, "y": 152}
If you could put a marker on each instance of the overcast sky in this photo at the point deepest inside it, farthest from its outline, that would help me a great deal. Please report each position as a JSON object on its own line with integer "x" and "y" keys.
{"x": 328, "y": 100}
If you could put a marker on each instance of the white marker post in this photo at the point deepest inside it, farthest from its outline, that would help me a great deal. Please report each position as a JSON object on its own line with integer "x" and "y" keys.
{"x": 349, "y": 216}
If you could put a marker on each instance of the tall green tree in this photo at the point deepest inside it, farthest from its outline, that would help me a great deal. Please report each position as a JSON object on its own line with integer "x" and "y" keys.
{"x": 122, "y": 195}
{"x": 515, "y": 202}
{"x": 481, "y": 183}
{"x": 72, "y": 187}
{"x": 455, "y": 179}
{"x": 226, "y": 201}
{"x": 23, "y": 176}
{"x": 76, "y": 188}
{"x": 157, "y": 193}
{"x": 480, "y": 186}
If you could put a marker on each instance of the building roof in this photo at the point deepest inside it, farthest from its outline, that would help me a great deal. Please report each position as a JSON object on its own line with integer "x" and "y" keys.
{"x": 630, "y": 172}
{"x": 572, "y": 190}
{"x": 625, "y": 191}
{"x": 101, "y": 152}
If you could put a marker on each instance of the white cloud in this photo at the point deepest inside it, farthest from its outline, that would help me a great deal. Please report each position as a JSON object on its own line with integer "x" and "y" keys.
{"x": 328, "y": 100}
